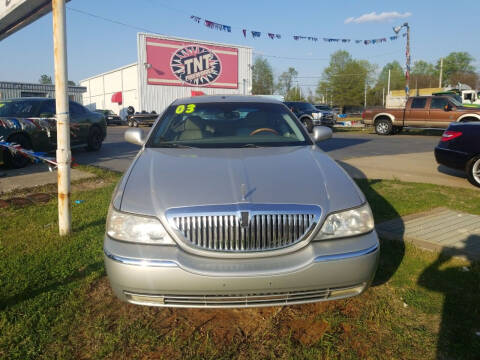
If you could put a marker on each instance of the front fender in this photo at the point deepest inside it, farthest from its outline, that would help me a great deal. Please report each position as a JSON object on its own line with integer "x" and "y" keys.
{"x": 472, "y": 115}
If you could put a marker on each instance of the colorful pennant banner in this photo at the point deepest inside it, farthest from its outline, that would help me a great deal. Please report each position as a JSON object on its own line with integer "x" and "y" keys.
{"x": 257, "y": 34}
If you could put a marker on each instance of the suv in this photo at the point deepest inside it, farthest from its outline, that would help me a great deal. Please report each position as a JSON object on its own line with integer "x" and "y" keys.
{"x": 308, "y": 114}
{"x": 30, "y": 123}
{"x": 328, "y": 114}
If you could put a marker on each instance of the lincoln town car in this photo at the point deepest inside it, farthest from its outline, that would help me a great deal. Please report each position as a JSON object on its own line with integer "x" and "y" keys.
{"x": 231, "y": 203}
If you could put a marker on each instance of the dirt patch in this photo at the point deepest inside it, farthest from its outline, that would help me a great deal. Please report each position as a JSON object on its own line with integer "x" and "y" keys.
{"x": 355, "y": 328}
{"x": 40, "y": 197}
{"x": 19, "y": 202}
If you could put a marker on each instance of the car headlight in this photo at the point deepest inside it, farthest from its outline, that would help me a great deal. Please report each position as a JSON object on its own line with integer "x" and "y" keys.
{"x": 347, "y": 223}
{"x": 135, "y": 228}
{"x": 317, "y": 115}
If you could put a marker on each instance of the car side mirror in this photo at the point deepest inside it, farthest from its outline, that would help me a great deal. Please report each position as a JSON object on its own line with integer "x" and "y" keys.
{"x": 321, "y": 133}
{"x": 135, "y": 136}
{"x": 447, "y": 107}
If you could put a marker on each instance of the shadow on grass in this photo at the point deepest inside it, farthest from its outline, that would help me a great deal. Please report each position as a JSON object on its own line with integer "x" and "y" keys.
{"x": 459, "y": 335}
{"x": 32, "y": 293}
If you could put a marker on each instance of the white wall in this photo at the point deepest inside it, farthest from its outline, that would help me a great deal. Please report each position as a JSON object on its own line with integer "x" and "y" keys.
{"x": 100, "y": 89}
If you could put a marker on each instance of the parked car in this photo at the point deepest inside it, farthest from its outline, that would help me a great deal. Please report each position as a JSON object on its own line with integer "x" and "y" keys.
{"x": 421, "y": 112}
{"x": 110, "y": 117}
{"x": 136, "y": 119}
{"x": 459, "y": 149}
{"x": 30, "y": 123}
{"x": 222, "y": 208}
{"x": 328, "y": 114}
{"x": 308, "y": 114}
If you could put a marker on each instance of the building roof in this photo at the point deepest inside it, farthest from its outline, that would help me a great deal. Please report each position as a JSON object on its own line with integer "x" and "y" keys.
{"x": 38, "y": 87}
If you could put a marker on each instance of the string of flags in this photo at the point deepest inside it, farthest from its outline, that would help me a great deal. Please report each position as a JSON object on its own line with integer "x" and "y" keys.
{"x": 36, "y": 157}
{"x": 273, "y": 36}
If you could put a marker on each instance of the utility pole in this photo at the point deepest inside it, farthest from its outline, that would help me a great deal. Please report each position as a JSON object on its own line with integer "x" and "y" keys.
{"x": 388, "y": 86}
{"x": 64, "y": 155}
{"x": 383, "y": 97}
{"x": 397, "y": 29}
{"x": 365, "y": 95}
{"x": 441, "y": 73}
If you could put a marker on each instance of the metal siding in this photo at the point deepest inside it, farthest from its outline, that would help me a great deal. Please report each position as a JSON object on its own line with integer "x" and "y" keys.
{"x": 11, "y": 90}
{"x": 100, "y": 89}
{"x": 158, "y": 97}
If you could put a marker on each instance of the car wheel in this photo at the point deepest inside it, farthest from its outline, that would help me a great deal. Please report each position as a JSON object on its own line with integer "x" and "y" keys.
{"x": 383, "y": 127}
{"x": 473, "y": 171}
{"x": 16, "y": 160}
{"x": 95, "y": 139}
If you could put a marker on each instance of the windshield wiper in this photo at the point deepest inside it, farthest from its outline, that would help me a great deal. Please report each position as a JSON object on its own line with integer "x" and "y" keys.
{"x": 175, "y": 145}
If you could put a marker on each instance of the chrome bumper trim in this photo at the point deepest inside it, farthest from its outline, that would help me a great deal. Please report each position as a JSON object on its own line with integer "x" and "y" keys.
{"x": 344, "y": 256}
{"x": 140, "y": 262}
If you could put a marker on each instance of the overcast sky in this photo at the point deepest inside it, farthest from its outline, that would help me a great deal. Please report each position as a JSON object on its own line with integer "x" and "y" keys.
{"x": 96, "y": 45}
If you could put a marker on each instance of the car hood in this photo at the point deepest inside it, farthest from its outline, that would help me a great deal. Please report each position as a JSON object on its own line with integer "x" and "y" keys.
{"x": 161, "y": 179}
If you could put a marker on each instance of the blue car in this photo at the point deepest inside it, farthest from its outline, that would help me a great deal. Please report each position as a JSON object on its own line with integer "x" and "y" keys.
{"x": 459, "y": 148}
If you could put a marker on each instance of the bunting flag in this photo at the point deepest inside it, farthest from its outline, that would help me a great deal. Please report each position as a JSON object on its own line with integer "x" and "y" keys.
{"x": 257, "y": 34}
{"x": 195, "y": 18}
{"x": 274, "y": 36}
{"x": 216, "y": 26}
{"x": 36, "y": 157}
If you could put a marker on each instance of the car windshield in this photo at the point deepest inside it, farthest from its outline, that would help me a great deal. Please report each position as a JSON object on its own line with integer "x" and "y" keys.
{"x": 306, "y": 107}
{"x": 19, "y": 108}
{"x": 227, "y": 125}
{"x": 323, "y": 107}
{"x": 455, "y": 100}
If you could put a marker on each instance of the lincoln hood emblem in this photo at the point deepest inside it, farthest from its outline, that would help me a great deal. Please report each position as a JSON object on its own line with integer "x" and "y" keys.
{"x": 244, "y": 219}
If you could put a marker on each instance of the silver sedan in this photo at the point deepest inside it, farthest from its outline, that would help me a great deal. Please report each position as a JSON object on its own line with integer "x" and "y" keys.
{"x": 230, "y": 203}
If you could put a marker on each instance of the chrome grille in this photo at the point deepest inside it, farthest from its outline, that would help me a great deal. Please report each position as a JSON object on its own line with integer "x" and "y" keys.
{"x": 220, "y": 228}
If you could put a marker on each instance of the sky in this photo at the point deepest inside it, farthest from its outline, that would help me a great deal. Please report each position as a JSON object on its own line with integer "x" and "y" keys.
{"x": 96, "y": 45}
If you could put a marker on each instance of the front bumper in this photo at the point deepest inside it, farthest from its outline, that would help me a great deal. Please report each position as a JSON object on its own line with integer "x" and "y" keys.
{"x": 169, "y": 276}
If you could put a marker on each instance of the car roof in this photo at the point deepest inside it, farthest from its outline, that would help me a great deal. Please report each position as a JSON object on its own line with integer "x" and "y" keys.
{"x": 205, "y": 99}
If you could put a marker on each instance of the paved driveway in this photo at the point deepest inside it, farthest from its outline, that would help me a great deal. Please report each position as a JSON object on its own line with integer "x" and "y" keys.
{"x": 404, "y": 157}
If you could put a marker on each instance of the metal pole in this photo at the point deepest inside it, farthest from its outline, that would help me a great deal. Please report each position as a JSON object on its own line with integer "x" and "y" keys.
{"x": 383, "y": 97}
{"x": 441, "y": 73}
{"x": 365, "y": 100}
{"x": 407, "y": 74}
{"x": 388, "y": 86}
{"x": 64, "y": 155}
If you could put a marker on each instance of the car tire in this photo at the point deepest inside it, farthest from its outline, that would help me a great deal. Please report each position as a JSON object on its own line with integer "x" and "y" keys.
{"x": 383, "y": 127}
{"x": 473, "y": 171}
{"x": 17, "y": 161}
{"x": 95, "y": 139}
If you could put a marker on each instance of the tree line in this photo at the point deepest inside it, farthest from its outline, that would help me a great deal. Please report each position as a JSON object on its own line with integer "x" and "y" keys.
{"x": 345, "y": 80}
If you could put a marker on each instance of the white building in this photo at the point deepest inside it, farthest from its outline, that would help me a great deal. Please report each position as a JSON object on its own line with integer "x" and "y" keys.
{"x": 169, "y": 68}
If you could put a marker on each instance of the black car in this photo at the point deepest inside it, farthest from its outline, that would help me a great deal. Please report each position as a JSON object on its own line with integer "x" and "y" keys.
{"x": 30, "y": 122}
{"x": 459, "y": 149}
{"x": 308, "y": 114}
{"x": 110, "y": 117}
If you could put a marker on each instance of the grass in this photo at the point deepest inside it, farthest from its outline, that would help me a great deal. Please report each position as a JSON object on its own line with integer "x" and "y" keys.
{"x": 55, "y": 301}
